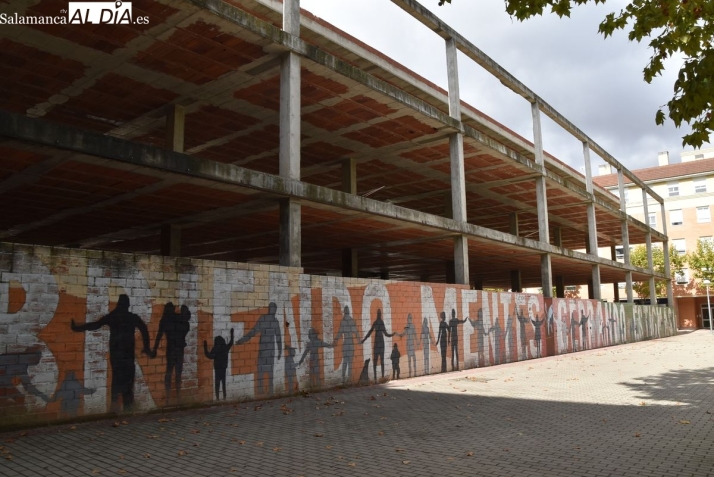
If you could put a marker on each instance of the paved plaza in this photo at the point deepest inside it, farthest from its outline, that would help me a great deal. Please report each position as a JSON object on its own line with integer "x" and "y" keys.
{"x": 637, "y": 409}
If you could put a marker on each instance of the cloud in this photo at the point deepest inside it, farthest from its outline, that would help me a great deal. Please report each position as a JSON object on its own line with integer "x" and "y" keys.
{"x": 594, "y": 82}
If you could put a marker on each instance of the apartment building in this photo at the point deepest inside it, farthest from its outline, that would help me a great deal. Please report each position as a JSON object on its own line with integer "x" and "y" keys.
{"x": 688, "y": 191}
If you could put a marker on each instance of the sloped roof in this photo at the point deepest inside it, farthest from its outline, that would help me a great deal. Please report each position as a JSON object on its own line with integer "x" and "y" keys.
{"x": 657, "y": 173}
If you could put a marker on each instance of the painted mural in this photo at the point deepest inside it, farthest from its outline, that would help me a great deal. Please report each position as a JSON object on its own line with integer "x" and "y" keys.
{"x": 77, "y": 327}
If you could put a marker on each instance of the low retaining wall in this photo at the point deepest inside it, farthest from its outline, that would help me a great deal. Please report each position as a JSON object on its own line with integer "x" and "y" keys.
{"x": 89, "y": 332}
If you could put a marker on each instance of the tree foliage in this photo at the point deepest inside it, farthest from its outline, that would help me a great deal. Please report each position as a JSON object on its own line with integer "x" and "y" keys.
{"x": 638, "y": 258}
{"x": 701, "y": 260}
{"x": 672, "y": 27}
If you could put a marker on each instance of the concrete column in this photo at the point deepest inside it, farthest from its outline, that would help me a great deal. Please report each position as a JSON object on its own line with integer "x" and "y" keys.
{"x": 516, "y": 285}
{"x": 625, "y": 236}
{"x": 667, "y": 266}
{"x": 175, "y": 125}
{"x": 542, "y": 204}
{"x": 615, "y": 286}
{"x": 513, "y": 227}
{"x": 560, "y": 286}
{"x": 170, "y": 241}
{"x": 350, "y": 264}
{"x": 290, "y": 211}
{"x": 592, "y": 223}
{"x": 648, "y": 244}
{"x": 458, "y": 180}
{"x": 290, "y": 237}
{"x": 591, "y": 290}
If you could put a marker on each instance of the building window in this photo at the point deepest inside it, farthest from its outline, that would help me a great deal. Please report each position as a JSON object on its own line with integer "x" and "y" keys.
{"x": 621, "y": 285}
{"x": 700, "y": 185}
{"x": 619, "y": 252}
{"x": 703, "y": 214}
{"x": 682, "y": 277}
{"x": 698, "y": 156}
{"x": 652, "y": 220}
{"x": 673, "y": 189}
{"x": 675, "y": 217}
{"x": 707, "y": 240}
{"x": 680, "y": 245}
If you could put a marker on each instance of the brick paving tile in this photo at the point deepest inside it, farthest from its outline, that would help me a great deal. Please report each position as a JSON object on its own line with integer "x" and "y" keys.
{"x": 643, "y": 409}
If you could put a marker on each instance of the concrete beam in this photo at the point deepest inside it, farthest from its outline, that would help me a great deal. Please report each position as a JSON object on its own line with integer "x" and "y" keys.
{"x": 181, "y": 165}
{"x": 434, "y": 23}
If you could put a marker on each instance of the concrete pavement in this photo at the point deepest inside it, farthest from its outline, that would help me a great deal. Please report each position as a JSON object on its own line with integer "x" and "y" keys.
{"x": 637, "y": 409}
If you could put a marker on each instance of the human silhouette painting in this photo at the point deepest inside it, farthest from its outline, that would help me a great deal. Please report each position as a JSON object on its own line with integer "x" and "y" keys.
{"x": 395, "y": 361}
{"x": 454, "y": 339}
{"x": 14, "y": 372}
{"x": 175, "y": 326}
{"x": 574, "y": 326}
{"x": 312, "y": 348}
{"x": 613, "y": 338}
{"x": 536, "y": 327}
{"x": 122, "y": 325}
{"x": 584, "y": 325}
{"x": 510, "y": 336}
{"x": 412, "y": 339}
{"x": 497, "y": 336}
{"x": 291, "y": 369}
{"x": 380, "y": 331}
{"x": 69, "y": 394}
{"x": 349, "y": 335}
{"x": 426, "y": 343}
{"x": 219, "y": 354}
{"x": 270, "y": 347}
{"x": 443, "y": 338}
{"x": 480, "y": 335}
{"x": 522, "y": 320}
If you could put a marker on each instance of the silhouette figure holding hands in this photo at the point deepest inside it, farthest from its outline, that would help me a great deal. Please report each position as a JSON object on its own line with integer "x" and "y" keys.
{"x": 426, "y": 343}
{"x": 122, "y": 325}
{"x": 395, "y": 361}
{"x": 380, "y": 331}
{"x": 454, "y": 333}
{"x": 219, "y": 355}
{"x": 442, "y": 338}
{"x": 313, "y": 345}
{"x": 271, "y": 345}
{"x": 536, "y": 325}
{"x": 574, "y": 325}
{"x": 176, "y": 327}
{"x": 497, "y": 332}
{"x": 480, "y": 335}
{"x": 347, "y": 331}
{"x": 584, "y": 325}
{"x": 412, "y": 339}
{"x": 522, "y": 320}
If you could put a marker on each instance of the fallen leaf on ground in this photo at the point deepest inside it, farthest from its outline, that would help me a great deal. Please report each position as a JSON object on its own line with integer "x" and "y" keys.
{"x": 121, "y": 471}
{"x": 115, "y": 424}
{"x": 684, "y": 422}
{"x": 96, "y": 471}
{"x": 318, "y": 435}
{"x": 259, "y": 443}
{"x": 398, "y": 450}
{"x": 469, "y": 454}
{"x": 352, "y": 464}
{"x": 147, "y": 455}
{"x": 380, "y": 433}
{"x": 182, "y": 452}
{"x": 637, "y": 434}
{"x": 241, "y": 442}
{"x": 406, "y": 461}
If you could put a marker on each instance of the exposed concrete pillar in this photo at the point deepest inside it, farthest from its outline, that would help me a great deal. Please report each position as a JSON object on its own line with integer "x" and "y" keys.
{"x": 458, "y": 176}
{"x": 542, "y": 204}
{"x": 478, "y": 284}
{"x": 616, "y": 285}
{"x": 513, "y": 227}
{"x": 350, "y": 264}
{"x": 290, "y": 211}
{"x": 592, "y": 224}
{"x": 557, "y": 236}
{"x": 175, "y": 126}
{"x": 625, "y": 236}
{"x": 667, "y": 265}
{"x": 648, "y": 244}
{"x": 170, "y": 241}
{"x": 560, "y": 286}
{"x": 290, "y": 237}
{"x": 516, "y": 285}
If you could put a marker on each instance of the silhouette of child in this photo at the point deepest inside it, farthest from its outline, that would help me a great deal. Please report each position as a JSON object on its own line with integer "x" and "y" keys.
{"x": 312, "y": 347}
{"x": 290, "y": 368}
{"x": 395, "y": 361}
{"x": 219, "y": 355}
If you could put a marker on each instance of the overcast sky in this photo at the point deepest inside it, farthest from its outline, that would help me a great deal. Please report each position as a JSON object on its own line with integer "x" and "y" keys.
{"x": 596, "y": 83}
